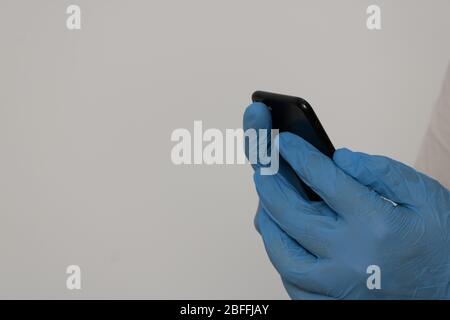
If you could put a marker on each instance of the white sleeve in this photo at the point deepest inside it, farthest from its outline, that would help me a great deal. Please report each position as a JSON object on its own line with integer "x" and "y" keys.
{"x": 434, "y": 154}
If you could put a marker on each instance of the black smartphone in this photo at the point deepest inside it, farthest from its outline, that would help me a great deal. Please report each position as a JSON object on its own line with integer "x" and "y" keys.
{"x": 295, "y": 115}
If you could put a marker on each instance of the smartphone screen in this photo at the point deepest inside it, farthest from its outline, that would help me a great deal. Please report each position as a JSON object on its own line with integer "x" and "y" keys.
{"x": 295, "y": 115}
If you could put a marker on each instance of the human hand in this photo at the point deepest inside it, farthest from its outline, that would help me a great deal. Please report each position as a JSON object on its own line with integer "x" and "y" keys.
{"x": 323, "y": 249}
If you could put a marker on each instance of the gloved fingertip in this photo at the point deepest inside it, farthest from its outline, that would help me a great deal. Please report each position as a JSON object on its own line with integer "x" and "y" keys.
{"x": 284, "y": 143}
{"x": 285, "y": 138}
{"x": 258, "y": 220}
{"x": 294, "y": 149}
{"x": 257, "y": 179}
{"x": 256, "y": 175}
{"x": 345, "y": 158}
{"x": 289, "y": 140}
{"x": 257, "y": 116}
{"x": 256, "y": 224}
{"x": 263, "y": 223}
{"x": 261, "y": 181}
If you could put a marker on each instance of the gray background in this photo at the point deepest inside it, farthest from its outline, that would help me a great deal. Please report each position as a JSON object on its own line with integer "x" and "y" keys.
{"x": 86, "y": 118}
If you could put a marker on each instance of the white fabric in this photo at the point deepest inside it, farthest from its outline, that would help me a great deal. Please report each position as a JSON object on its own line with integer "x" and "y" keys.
{"x": 434, "y": 154}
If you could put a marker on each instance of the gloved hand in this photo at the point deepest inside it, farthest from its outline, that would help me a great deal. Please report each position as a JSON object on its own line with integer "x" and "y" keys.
{"x": 322, "y": 249}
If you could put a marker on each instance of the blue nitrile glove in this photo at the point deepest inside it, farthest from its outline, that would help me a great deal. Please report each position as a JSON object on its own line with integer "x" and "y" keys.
{"x": 323, "y": 249}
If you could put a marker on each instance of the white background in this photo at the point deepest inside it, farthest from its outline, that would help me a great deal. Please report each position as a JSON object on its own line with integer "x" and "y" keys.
{"x": 86, "y": 118}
